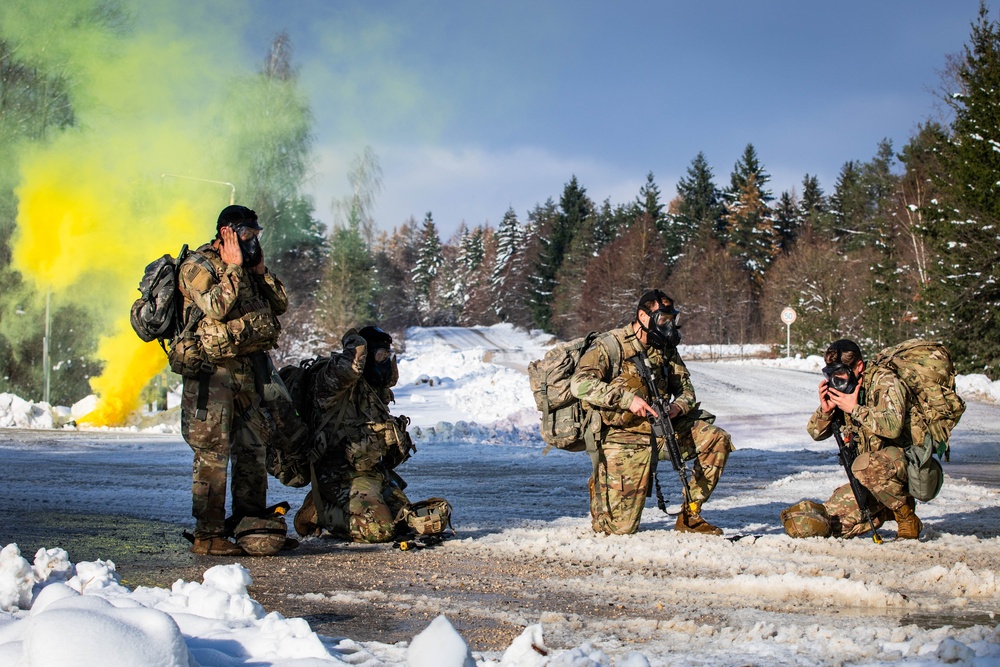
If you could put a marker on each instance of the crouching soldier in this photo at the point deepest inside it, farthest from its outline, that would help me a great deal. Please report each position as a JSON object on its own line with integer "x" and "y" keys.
{"x": 355, "y": 493}
{"x": 871, "y": 407}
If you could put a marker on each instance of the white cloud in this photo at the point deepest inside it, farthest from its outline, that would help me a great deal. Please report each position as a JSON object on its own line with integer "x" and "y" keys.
{"x": 473, "y": 185}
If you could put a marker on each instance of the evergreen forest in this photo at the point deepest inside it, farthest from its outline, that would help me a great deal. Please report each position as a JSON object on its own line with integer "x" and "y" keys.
{"x": 905, "y": 243}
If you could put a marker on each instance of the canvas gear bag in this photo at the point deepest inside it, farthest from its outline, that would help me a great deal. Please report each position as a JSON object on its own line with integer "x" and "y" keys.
{"x": 158, "y": 314}
{"x": 294, "y": 446}
{"x": 565, "y": 424}
{"x": 927, "y": 372}
{"x": 427, "y": 517}
{"x": 806, "y": 518}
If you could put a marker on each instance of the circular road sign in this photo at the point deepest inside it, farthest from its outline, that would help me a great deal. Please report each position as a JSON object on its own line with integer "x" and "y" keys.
{"x": 788, "y": 316}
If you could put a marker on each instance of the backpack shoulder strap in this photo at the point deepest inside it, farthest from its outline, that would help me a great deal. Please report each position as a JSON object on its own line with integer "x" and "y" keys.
{"x": 615, "y": 352}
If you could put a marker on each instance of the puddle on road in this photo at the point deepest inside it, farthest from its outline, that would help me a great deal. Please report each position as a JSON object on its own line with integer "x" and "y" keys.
{"x": 956, "y": 619}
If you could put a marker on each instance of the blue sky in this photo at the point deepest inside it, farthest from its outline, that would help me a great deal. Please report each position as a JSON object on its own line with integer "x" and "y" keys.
{"x": 476, "y": 106}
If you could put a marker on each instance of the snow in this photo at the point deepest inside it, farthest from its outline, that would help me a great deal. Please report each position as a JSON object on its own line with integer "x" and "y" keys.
{"x": 738, "y": 601}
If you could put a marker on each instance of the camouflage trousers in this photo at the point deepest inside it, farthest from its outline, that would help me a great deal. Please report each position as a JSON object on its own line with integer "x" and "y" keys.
{"x": 883, "y": 474}
{"x": 359, "y": 506}
{"x": 235, "y": 428}
{"x": 618, "y": 494}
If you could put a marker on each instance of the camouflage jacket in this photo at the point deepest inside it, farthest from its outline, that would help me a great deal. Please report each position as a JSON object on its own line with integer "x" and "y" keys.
{"x": 361, "y": 435}
{"x": 230, "y": 291}
{"x": 595, "y": 385}
{"x": 881, "y": 419}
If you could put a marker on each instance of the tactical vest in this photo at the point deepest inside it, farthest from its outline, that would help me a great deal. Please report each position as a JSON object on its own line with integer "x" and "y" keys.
{"x": 367, "y": 437}
{"x": 249, "y": 326}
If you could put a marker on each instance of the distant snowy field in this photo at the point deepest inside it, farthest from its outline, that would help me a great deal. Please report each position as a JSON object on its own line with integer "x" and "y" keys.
{"x": 765, "y": 599}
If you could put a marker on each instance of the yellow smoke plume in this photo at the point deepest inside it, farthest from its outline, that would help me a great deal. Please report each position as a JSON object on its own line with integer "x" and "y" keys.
{"x": 85, "y": 233}
{"x": 93, "y": 207}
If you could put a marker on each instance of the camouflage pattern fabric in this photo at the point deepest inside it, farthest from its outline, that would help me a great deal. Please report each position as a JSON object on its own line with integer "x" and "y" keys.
{"x": 881, "y": 427}
{"x": 237, "y": 424}
{"x": 236, "y": 428}
{"x": 846, "y": 520}
{"x": 360, "y": 496}
{"x": 618, "y": 493}
{"x": 360, "y": 507}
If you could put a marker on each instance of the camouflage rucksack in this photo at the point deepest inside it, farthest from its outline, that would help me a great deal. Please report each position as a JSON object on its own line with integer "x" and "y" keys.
{"x": 565, "y": 424}
{"x": 928, "y": 373}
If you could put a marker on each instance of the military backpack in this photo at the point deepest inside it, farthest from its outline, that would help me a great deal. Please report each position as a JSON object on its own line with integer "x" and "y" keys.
{"x": 565, "y": 424}
{"x": 928, "y": 374}
{"x": 158, "y": 313}
{"x": 294, "y": 448}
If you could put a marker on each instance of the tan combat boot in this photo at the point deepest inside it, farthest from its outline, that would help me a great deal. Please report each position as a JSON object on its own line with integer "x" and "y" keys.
{"x": 690, "y": 521}
{"x": 216, "y": 546}
{"x": 306, "y": 521}
{"x": 908, "y": 525}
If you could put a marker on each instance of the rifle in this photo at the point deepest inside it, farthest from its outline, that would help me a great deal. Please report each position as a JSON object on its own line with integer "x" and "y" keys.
{"x": 661, "y": 428}
{"x": 847, "y": 453}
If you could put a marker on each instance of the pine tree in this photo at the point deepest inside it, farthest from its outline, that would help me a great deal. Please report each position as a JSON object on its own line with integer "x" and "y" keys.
{"x": 814, "y": 209}
{"x": 509, "y": 246}
{"x": 747, "y": 167}
{"x": 429, "y": 259}
{"x": 546, "y": 248}
{"x": 848, "y": 207}
{"x": 270, "y": 122}
{"x": 752, "y": 235}
{"x": 577, "y": 213}
{"x": 556, "y": 233}
{"x": 395, "y": 257}
{"x": 787, "y": 220}
{"x": 965, "y": 221}
{"x": 347, "y": 291}
{"x": 700, "y": 209}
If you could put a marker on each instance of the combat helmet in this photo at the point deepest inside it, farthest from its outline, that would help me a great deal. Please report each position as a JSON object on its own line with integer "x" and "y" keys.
{"x": 806, "y": 518}
{"x": 261, "y": 536}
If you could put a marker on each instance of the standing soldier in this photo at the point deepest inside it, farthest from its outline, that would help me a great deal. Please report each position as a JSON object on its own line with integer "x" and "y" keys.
{"x": 231, "y": 304}
{"x": 617, "y": 391}
{"x": 356, "y": 493}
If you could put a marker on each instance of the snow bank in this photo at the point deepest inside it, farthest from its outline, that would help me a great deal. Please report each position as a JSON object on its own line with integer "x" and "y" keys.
{"x": 56, "y": 613}
{"x": 460, "y": 384}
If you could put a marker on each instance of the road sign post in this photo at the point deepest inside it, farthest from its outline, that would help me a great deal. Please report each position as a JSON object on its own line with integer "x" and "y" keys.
{"x": 788, "y": 316}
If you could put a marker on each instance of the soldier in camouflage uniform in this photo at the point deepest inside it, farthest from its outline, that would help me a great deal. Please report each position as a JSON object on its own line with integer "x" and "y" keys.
{"x": 226, "y": 284}
{"x": 356, "y": 493}
{"x": 877, "y": 415}
{"x": 622, "y": 476}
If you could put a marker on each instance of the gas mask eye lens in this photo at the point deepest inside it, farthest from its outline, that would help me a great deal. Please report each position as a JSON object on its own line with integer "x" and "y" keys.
{"x": 381, "y": 354}
{"x": 247, "y": 233}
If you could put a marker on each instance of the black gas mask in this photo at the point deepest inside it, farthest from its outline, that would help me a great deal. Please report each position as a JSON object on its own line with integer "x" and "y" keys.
{"x": 249, "y": 238}
{"x": 380, "y": 371}
{"x": 663, "y": 331}
{"x": 378, "y": 368}
{"x": 840, "y": 377}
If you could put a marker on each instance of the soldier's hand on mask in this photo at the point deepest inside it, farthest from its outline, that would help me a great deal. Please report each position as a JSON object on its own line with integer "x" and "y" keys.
{"x": 259, "y": 269}
{"x": 825, "y": 404}
{"x": 846, "y": 402}
{"x": 230, "y": 251}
